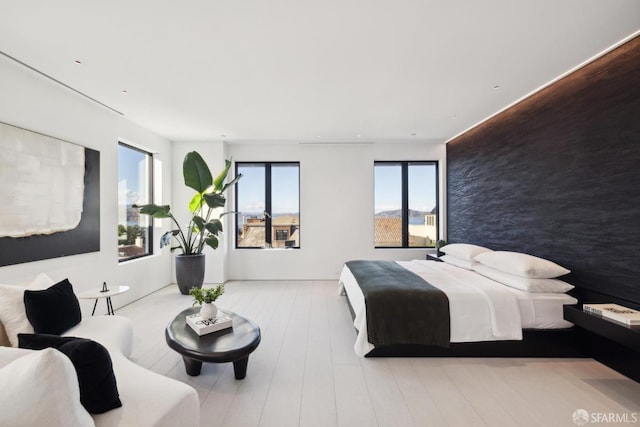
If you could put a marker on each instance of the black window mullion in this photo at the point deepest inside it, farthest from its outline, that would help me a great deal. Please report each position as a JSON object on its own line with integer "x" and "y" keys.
{"x": 405, "y": 204}
{"x": 437, "y": 207}
{"x": 235, "y": 200}
{"x": 267, "y": 205}
{"x": 151, "y": 200}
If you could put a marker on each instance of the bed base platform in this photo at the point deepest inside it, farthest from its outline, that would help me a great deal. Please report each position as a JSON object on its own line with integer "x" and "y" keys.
{"x": 557, "y": 343}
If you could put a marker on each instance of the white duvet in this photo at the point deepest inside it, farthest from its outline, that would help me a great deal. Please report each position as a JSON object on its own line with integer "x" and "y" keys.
{"x": 480, "y": 309}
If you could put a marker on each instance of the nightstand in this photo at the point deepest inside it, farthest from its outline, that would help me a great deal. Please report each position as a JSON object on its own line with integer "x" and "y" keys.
{"x": 434, "y": 257}
{"x": 628, "y": 336}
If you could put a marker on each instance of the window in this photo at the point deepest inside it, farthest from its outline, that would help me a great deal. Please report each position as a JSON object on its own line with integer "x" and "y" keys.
{"x": 268, "y": 205}
{"x": 406, "y": 204}
{"x": 135, "y": 172}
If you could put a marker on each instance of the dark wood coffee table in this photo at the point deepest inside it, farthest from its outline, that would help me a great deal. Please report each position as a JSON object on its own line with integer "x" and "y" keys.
{"x": 228, "y": 345}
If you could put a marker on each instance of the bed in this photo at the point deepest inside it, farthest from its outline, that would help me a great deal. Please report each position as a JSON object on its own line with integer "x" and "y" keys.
{"x": 487, "y": 318}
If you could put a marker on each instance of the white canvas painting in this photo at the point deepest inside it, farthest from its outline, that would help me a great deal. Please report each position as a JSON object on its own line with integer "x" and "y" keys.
{"x": 41, "y": 183}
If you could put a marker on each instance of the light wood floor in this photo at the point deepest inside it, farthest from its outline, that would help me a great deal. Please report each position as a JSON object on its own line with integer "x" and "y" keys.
{"x": 305, "y": 373}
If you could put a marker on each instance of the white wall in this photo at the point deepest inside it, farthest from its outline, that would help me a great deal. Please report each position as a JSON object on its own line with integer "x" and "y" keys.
{"x": 336, "y": 209}
{"x": 33, "y": 102}
{"x": 336, "y": 184}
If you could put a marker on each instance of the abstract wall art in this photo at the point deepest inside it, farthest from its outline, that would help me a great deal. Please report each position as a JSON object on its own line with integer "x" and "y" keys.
{"x": 49, "y": 197}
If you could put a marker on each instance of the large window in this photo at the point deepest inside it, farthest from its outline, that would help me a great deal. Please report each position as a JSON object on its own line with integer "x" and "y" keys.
{"x": 268, "y": 205}
{"x": 135, "y": 172}
{"x": 406, "y": 204}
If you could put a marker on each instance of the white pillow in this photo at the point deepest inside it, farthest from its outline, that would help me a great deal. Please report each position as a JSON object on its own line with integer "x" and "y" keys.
{"x": 524, "y": 283}
{"x": 12, "y": 312}
{"x": 464, "y": 250}
{"x": 4, "y": 339}
{"x": 41, "y": 389}
{"x": 522, "y": 265}
{"x": 458, "y": 262}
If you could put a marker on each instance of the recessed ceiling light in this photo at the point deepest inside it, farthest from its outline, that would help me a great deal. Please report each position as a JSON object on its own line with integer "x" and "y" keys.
{"x": 454, "y": 117}
{"x": 77, "y": 61}
{"x": 124, "y": 91}
{"x": 496, "y": 87}
{"x": 412, "y": 134}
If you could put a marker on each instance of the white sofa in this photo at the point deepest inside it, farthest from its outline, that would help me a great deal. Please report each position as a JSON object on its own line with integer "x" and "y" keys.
{"x": 148, "y": 399}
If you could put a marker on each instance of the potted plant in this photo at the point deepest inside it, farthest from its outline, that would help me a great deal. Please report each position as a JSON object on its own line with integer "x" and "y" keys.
{"x": 203, "y": 228}
{"x": 205, "y": 297}
{"x": 439, "y": 244}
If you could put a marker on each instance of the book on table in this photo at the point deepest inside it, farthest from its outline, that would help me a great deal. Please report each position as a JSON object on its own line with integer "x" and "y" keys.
{"x": 616, "y": 312}
{"x": 206, "y": 326}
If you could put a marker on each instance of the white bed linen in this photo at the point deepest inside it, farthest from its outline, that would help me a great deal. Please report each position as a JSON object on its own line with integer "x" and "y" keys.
{"x": 543, "y": 310}
{"x": 480, "y": 308}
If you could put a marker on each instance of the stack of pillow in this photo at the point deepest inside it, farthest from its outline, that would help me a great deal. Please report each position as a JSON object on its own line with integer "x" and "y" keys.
{"x": 462, "y": 254}
{"x": 34, "y": 316}
{"x": 517, "y": 270}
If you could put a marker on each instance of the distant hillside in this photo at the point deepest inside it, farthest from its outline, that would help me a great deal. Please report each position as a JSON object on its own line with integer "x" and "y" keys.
{"x": 398, "y": 212}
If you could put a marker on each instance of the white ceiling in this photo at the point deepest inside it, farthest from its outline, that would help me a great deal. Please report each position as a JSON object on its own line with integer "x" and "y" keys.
{"x": 310, "y": 71}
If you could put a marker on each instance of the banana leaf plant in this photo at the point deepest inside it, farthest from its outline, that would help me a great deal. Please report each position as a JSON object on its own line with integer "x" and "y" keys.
{"x": 202, "y": 229}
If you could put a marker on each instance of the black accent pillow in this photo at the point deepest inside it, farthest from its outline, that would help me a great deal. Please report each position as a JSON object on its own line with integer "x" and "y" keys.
{"x": 53, "y": 310}
{"x": 98, "y": 388}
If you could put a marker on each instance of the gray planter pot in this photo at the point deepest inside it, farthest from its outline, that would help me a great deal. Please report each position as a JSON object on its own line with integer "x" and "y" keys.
{"x": 189, "y": 272}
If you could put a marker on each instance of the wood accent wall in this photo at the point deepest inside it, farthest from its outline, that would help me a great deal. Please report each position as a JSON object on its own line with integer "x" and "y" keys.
{"x": 558, "y": 176}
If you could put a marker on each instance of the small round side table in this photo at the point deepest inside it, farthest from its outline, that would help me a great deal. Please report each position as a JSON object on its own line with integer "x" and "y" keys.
{"x": 98, "y": 293}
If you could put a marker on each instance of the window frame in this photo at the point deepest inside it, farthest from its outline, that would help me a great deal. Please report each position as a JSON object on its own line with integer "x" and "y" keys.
{"x": 404, "y": 167}
{"x": 150, "y": 177}
{"x": 268, "y": 226}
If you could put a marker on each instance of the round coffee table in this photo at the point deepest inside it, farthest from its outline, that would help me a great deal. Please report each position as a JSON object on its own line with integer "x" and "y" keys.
{"x": 228, "y": 345}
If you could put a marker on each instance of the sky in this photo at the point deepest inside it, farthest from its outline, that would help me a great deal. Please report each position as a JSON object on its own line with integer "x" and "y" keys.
{"x": 128, "y": 161}
{"x": 388, "y": 187}
{"x": 285, "y": 188}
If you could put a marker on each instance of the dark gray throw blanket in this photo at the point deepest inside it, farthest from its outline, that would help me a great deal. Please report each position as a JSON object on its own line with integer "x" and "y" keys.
{"x": 402, "y": 308}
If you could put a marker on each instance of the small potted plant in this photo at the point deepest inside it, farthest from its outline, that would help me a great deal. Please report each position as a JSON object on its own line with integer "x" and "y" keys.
{"x": 205, "y": 297}
{"x": 440, "y": 244}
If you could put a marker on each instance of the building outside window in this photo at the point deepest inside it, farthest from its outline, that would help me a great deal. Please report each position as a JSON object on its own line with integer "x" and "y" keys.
{"x": 135, "y": 172}
{"x": 406, "y": 204}
{"x": 268, "y": 205}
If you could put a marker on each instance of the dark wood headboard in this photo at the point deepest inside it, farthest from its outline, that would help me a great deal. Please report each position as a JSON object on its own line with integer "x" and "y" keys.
{"x": 558, "y": 176}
